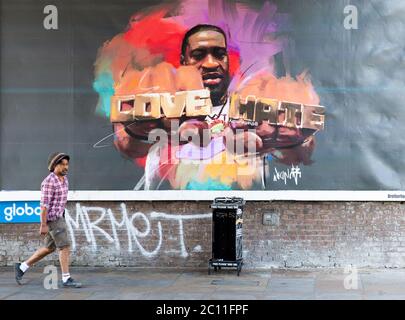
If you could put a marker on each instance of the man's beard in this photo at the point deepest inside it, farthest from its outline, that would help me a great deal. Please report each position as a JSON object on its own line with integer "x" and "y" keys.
{"x": 218, "y": 93}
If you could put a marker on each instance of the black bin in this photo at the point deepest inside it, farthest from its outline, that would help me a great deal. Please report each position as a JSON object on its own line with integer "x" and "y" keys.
{"x": 227, "y": 226}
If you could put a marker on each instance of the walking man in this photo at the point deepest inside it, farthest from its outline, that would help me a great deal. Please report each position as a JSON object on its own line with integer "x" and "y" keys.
{"x": 54, "y": 192}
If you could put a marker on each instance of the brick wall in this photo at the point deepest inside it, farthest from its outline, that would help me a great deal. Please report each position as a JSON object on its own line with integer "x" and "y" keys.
{"x": 178, "y": 234}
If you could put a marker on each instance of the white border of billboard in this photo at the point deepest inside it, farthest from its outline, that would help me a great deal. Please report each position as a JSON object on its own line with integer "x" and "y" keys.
{"x": 197, "y": 195}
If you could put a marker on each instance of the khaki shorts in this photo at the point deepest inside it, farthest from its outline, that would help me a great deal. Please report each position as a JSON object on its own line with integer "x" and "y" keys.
{"x": 57, "y": 236}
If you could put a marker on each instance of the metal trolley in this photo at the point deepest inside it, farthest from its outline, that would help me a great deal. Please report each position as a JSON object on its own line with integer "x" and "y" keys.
{"x": 227, "y": 222}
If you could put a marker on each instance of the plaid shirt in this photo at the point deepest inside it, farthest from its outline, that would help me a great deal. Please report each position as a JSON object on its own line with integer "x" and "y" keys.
{"x": 54, "y": 196}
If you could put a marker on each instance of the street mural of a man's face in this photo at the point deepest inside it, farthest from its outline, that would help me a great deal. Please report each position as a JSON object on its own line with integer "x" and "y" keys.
{"x": 207, "y": 51}
{"x": 186, "y": 73}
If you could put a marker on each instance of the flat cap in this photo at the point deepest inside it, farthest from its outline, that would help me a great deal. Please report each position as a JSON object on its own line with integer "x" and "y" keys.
{"x": 56, "y": 158}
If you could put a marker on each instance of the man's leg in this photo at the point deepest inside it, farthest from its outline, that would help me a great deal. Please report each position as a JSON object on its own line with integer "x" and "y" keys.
{"x": 38, "y": 255}
{"x": 64, "y": 257}
{"x": 20, "y": 269}
{"x": 64, "y": 254}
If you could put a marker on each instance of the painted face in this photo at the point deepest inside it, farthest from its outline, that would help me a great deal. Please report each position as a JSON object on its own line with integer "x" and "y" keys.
{"x": 61, "y": 169}
{"x": 207, "y": 51}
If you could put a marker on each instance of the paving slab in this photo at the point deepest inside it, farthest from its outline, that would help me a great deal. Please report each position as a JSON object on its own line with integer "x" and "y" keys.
{"x": 173, "y": 284}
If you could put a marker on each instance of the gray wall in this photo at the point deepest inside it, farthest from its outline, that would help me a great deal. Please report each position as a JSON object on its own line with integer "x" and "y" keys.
{"x": 178, "y": 234}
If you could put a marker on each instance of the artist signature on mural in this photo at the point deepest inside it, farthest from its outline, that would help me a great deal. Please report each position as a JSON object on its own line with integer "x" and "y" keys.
{"x": 293, "y": 173}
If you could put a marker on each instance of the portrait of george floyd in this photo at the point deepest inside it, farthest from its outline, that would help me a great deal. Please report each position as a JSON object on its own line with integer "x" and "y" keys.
{"x": 198, "y": 102}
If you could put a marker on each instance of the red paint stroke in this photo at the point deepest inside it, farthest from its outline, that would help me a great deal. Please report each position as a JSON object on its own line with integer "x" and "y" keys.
{"x": 158, "y": 35}
{"x": 234, "y": 62}
{"x": 141, "y": 162}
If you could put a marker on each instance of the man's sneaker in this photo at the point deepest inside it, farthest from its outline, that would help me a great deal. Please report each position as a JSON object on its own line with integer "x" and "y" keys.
{"x": 70, "y": 283}
{"x": 18, "y": 273}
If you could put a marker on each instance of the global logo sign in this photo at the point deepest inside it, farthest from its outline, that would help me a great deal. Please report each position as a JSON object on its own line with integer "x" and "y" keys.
{"x": 20, "y": 212}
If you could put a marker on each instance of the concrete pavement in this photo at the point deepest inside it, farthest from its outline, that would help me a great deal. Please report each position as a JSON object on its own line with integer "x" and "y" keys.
{"x": 156, "y": 284}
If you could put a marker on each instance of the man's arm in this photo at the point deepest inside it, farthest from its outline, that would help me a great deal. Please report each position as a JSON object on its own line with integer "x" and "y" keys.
{"x": 47, "y": 190}
{"x": 43, "y": 229}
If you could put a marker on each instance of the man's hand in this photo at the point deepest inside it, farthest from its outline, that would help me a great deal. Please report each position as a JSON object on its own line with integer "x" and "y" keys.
{"x": 281, "y": 137}
{"x": 241, "y": 141}
{"x": 195, "y": 131}
{"x": 296, "y": 155}
{"x": 132, "y": 138}
{"x": 288, "y": 145}
{"x": 43, "y": 229}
